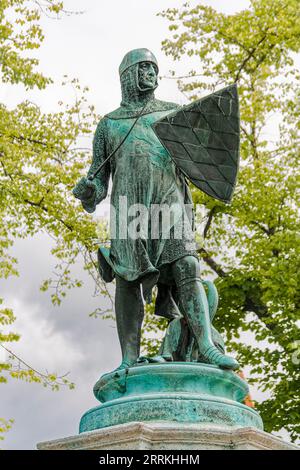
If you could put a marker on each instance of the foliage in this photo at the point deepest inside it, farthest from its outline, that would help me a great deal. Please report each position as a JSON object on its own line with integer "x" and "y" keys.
{"x": 5, "y": 426}
{"x": 40, "y": 159}
{"x": 252, "y": 245}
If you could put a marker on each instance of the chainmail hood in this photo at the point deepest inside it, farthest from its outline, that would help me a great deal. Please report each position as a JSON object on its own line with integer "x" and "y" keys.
{"x": 133, "y": 99}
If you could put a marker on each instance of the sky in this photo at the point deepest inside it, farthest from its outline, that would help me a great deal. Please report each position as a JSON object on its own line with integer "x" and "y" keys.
{"x": 64, "y": 339}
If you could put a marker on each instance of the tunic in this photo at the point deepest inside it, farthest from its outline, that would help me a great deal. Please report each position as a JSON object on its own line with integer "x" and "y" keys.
{"x": 143, "y": 172}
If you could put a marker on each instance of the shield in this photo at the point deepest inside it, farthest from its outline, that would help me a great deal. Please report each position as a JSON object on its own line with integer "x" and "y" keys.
{"x": 203, "y": 140}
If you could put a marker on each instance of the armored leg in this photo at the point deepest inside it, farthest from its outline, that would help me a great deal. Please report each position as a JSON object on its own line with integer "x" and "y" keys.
{"x": 129, "y": 316}
{"x": 194, "y": 307}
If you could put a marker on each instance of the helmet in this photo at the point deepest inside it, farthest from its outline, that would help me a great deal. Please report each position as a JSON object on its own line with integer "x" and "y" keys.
{"x": 135, "y": 57}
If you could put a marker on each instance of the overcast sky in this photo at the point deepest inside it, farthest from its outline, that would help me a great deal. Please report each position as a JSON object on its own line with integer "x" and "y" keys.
{"x": 89, "y": 46}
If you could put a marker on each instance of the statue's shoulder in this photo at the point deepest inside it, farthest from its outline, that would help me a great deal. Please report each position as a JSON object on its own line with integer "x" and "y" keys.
{"x": 129, "y": 112}
{"x": 101, "y": 129}
{"x": 166, "y": 105}
{"x": 102, "y": 123}
{"x": 116, "y": 113}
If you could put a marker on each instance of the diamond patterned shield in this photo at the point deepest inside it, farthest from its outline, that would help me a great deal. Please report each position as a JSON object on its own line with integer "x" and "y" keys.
{"x": 203, "y": 139}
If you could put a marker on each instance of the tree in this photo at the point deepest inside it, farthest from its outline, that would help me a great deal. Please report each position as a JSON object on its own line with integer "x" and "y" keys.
{"x": 251, "y": 246}
{"x": 40, "y": 159}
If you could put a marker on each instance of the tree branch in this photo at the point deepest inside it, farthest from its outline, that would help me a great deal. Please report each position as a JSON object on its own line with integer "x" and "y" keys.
{"x": 252, "y": 301}
{"x": 250, "y": 55}
{"x": 269, "y": 231}
{"x": 211, "y": 263}
{"x": 209, "y": 221}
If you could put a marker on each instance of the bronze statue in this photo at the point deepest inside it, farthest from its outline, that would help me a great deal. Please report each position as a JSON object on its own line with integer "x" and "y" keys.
{"x": 149, "y": 147}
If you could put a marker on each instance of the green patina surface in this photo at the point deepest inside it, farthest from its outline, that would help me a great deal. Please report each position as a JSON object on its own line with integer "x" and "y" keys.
{"x": 188, "y": 392}
{"x": 142, "y": 153}
{"x": 148, "y": 147}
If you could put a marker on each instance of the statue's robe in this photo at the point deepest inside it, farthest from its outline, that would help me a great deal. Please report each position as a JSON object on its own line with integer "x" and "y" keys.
{"x": 143, "y": 171}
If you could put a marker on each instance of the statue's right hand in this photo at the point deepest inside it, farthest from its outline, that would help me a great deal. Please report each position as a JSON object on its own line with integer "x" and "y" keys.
{"x": 85, "y": 189}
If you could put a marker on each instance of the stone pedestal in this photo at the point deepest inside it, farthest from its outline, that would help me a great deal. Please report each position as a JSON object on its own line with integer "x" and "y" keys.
{"x": 170, "y": 436}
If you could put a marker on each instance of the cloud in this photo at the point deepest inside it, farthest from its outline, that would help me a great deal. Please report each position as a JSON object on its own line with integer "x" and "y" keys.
{"x": 56, "y": 339}
{"x": 41, "y": 344}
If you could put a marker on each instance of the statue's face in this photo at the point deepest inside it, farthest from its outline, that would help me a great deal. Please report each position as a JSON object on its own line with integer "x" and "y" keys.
{"x": 147, "y": 75}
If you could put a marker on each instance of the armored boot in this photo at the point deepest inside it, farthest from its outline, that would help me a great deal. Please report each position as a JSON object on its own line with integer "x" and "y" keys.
{"x": 194, "y": 307}
{"x": 129, "y": 318}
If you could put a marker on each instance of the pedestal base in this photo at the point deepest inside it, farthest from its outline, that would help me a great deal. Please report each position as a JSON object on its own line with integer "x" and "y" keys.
{"x": 170, "y": 436}
{"x": 173, "y": 392}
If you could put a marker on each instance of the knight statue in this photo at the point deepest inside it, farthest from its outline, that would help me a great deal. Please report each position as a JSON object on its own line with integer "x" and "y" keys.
{"x": 150, "y": 148}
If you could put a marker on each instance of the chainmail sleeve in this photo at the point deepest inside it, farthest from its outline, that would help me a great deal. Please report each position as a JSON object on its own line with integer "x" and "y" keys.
{"x": 99, "y": 155}
{"x": 102, "y": 179}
